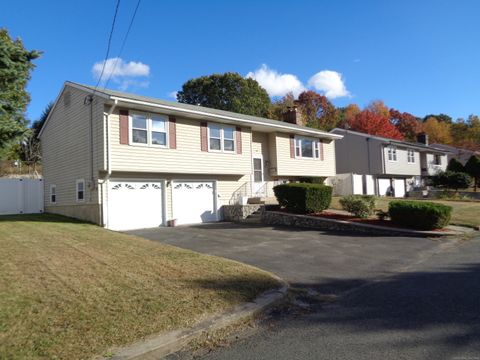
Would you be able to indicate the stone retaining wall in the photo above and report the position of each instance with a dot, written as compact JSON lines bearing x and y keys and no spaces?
{"x":237,"y":213}
{"x":314,"y":222}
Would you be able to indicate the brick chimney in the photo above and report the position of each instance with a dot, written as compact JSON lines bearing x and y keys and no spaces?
{"x":293,"y":116}
{"x":422,"y":138}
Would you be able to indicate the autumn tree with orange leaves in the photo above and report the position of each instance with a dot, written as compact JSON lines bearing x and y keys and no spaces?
{"x":373,"y":123}
{"x":406,"y":123}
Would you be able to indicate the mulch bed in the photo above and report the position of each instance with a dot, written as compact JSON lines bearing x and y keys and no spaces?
{"x":370,"y":221}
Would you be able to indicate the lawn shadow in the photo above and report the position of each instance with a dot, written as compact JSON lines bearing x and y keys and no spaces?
{"x":44,"y":217}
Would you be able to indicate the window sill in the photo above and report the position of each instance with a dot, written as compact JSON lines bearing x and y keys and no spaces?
{"x":149,"y":146}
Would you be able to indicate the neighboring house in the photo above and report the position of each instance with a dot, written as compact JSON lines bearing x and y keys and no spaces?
{"x":380,"y":166}
{"x":461,"y":155}
{"x":126,"y":161}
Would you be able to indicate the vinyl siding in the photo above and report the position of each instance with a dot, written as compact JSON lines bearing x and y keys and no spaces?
{"x":355,"y":154}
{"x":431,"y":168}
{"x":66,"y":154}
{"x":401,"y":166}
{"x":287,"y":166}
{"x":187,"y":158}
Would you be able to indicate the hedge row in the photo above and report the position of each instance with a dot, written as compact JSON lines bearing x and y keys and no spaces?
{"x":421,"y":215}
{"x":303,"y":198}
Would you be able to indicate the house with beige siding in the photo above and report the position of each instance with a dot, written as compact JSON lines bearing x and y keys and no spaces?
{"x":375,"y":165}
{"x":125,"y":161}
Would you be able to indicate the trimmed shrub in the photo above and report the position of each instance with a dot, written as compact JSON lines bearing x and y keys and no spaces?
{"x":451,"y":180}
{"x":358,"y":205}
{"x":302,"y":198}
{"x":421,"y":215}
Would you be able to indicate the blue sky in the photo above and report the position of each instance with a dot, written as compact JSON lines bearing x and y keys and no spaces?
{"x":418,"y":56}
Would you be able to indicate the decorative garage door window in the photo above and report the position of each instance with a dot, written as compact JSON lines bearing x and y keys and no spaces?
{"x":138,"y":186}
{"x":192,"y":186}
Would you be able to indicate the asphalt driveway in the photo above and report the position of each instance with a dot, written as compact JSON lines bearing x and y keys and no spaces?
{"x":400,"y":298}
{"x":328,"y":262}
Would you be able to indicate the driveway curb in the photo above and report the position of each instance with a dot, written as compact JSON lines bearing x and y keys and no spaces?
{"x":165,"y":344}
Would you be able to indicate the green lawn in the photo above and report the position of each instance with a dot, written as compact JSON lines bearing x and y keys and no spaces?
{"x":70,"y":290}
{"x":465,"y":213}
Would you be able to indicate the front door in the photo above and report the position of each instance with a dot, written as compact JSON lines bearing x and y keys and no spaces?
{"x":258,"y":187}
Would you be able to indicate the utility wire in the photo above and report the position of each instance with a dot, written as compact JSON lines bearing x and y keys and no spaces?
{"x":123,"y":43}
{"x":108,"y":45}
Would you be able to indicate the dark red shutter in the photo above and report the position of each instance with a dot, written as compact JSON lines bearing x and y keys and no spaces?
{"x":172,"y":132}
{"x":321,"y":149}
{"x":124,"y":127}
{"x":239,"y":139}
{"x":292,"y":146}
{"x":203,"y":136}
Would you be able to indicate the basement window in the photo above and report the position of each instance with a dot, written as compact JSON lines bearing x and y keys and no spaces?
{"x":53,"y":194}
{"x":80,"y":185}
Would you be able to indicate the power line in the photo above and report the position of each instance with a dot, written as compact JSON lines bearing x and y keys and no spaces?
{"x":108,"y":45}
{"x":123,"y":42}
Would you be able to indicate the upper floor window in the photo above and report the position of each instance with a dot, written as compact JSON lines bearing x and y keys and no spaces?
{"x":80,"y":187}
{"x":437,"y":159}
{"x":307,"y":148}
{"x":221,"y":138}
{"x":410,"y":156}
{"x":392,"y":153}
{"x":148,"y":129}
{"x":53,"y":194}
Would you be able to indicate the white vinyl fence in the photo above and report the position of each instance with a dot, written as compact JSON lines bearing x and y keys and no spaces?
{"x":21,"y":196}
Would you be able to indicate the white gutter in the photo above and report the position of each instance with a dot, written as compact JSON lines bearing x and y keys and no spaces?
{"x":253,"y":122}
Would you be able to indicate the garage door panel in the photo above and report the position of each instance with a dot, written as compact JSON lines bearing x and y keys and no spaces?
{"x":399,"y":187}
{"x":194,"y":202}
{"x":135,"y":204}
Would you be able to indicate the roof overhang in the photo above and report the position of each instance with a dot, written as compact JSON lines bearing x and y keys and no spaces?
{"x":419,"y":148}
{"x":199,"y":114}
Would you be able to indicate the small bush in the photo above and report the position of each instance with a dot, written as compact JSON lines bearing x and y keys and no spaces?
{"x":358,"y":205}
{"x":302,"y":198}
{"x":421,"y":215}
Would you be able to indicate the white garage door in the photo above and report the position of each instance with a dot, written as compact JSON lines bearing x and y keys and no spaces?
{"x":399,"y":186}
{"x":134,"y":204}
{"x":383,"y":186}
{"x":194,"y":202}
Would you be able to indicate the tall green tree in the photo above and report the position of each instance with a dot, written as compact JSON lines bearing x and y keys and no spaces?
{"x":29,"y":149}
{"x":455,"y":166}
{"x":15,"y":68}
{"x":472,"y":167}
{"x":229,"y":91}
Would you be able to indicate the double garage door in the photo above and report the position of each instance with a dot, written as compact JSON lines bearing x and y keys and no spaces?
{"x":134,"y":204}
{"x":385,"y":187}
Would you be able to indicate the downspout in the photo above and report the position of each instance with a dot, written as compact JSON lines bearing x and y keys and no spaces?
{"x":109,"y":158}
{"x":107,"y":150}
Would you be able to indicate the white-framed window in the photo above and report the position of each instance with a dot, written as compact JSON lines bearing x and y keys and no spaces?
{"x":148,"y":129}
{"x":411,"y":156}
{"x":307,"y":148}
{"x":221,"y":138}
{"x":80,"y":190}
{"x":53,"y":194}
{"x":392,"y":153}
{"x":437,"y":160}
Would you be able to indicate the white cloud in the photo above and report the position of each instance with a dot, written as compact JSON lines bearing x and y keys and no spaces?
{"x":330,"y":83}
{"x":275,"y":83}
{"x":173,"y":94}
{"x":122,"y":73}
